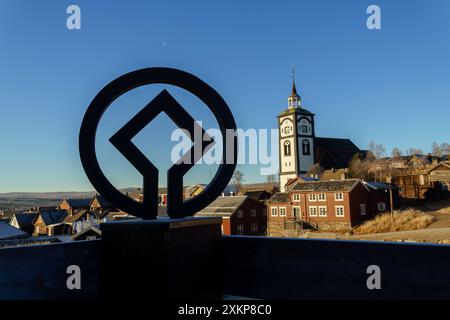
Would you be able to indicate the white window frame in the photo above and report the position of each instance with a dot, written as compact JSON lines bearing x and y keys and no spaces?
{"x":296,"y":197}
{"x":254,"y":227}
{"x":240,"y":229}
{"x":320,"y":208}
{"x":338,"y":214}
{"x":315,"y":210}
{"x":362,"y":209}
{"x":280,"y":209}
{"x":253,"y":213}
{"x":381,"y":206}
{"x":336,"y":198}
{"x":274,"y":211}
{"x":324,"y":197}
{"x":312,"y":197}
{"x":240,"y":213}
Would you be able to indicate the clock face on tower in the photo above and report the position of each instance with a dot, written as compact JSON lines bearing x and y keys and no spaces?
{"x":286,"y":127}
{"x":304,"y":126}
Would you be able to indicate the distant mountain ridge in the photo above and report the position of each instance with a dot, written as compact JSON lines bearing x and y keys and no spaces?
{"x":56,"y":195}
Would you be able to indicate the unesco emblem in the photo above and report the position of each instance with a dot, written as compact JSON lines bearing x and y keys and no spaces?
{"x":122,"y":141}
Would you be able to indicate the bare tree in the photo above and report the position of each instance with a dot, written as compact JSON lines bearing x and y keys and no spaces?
{"x":376,"y":149}
{"x":271,"y":185}
{"x":439,"y":150}
{"x":445,"y":148}
{"x":237,"y":180}
{"x":270,"y":182}
{"x":436,"y":150}
{"x":411,"y":151}
{"x":359,"y":167}
{"x":316,"y":170}
{"x":396,"y":153}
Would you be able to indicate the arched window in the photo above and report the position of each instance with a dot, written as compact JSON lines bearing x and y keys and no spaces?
{"x":287,"y":148}
{"x":306,"y":147}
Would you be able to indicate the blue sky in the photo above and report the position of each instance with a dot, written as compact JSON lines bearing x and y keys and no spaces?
{"x":390,"y":85}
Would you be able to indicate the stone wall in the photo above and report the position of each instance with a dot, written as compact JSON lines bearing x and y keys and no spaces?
{"x":288,"y":229}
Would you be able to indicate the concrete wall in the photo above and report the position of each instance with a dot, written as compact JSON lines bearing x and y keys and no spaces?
{"x":275,"y":268}
{"x":39,"y":272}
{"x":257,"y":267}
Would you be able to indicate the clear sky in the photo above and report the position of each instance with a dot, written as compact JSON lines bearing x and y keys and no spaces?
{"x":390,"y":85}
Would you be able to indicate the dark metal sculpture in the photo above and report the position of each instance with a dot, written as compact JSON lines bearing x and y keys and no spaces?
{"x":164,"y":102}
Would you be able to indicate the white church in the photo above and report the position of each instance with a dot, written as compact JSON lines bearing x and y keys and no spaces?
{"x":300,"y":148}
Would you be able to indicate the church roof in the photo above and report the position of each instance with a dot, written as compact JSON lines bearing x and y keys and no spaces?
{"x":327,"y":186}
{"x":296,"y":111}
{"x":334,"y":153}
{"x":279,"y":197}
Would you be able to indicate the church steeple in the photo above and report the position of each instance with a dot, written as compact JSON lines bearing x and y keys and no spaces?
{"x":294,"y":100}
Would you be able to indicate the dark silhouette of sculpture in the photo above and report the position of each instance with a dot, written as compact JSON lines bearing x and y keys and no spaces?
{"x":163,"y":102}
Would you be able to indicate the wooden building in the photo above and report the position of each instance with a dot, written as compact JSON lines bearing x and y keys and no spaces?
{"x":90,"y":233}
{"x":431,"y":182}
{"x":74,"y":204}
{"x":241,"y":215}
{"x":24,"y":221}
{"x":46,"y":218}
{"x":261,"y":195}
{"x":100,"y":204}
{"x":340,"y":204}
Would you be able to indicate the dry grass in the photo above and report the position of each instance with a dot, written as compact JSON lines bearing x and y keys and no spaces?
{"x":404,"y":220}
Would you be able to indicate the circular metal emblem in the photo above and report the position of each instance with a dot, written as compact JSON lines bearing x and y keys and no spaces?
{"x":163,"y":102}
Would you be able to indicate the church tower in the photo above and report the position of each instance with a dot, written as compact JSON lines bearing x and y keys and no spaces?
{"x":296,"y":138}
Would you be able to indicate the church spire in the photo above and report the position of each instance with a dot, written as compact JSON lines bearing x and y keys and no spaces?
{"x":294,"y":100}
{"x":294,"y":89}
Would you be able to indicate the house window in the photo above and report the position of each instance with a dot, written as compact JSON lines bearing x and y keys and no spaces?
{"x":322,"y":211}
{"x":240,"y":229}
{"x":322,"y":197}
{"x":282,"y":211}
{"x":287,"y":148}
{"x":362,"y":209}
{"x":304,"y":129}
{"x":265,"y":212}
{"x":253,"y":213}
{"x":254,"y":227}
{"x":339,"y":211}
{"x":381,"y":206}
{"x":274,"y":211}
{"x":296,"y":197}
{"x":312,"y":197}
{"x":313,"y":211}
{"x":240,"y":214}
{"x":338,"y":196}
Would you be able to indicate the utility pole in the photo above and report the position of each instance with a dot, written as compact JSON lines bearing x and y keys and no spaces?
{"x":392,"y":204}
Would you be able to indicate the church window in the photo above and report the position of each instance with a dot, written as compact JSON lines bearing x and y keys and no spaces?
{"x":287,"y":148}
{"x":306,"y":147}
{"x":304,"y":129}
